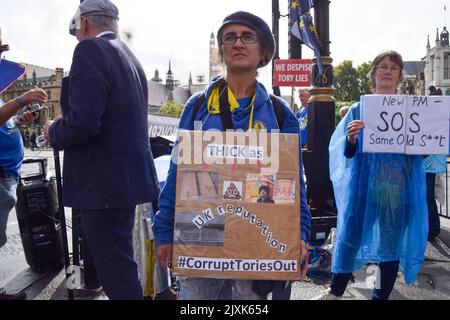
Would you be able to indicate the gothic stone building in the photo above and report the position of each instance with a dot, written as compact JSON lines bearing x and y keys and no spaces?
{"x":437,"y":63}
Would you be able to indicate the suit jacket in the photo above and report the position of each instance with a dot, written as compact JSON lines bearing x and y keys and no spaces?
{"x":104,"y":130}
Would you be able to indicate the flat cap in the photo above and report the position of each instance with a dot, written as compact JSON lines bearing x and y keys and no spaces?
{"x":93,"y":8}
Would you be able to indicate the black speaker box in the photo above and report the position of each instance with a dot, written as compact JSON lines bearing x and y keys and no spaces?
{"x":37,"y":213}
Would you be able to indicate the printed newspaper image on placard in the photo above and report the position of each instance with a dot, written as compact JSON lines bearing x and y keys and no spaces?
{"x":259,"y":188}
{"x":198,"y":185}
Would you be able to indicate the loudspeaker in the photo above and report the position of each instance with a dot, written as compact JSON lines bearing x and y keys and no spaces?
{"x":37,"y":212}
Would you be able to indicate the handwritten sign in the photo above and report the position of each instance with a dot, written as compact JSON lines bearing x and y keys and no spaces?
{"x":292,"y":73}
{"x":406,"y":124}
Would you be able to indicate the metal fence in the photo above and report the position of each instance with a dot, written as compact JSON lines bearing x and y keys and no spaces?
{"x":443,"y":208}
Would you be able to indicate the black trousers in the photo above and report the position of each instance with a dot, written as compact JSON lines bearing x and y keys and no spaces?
{"x":110,"y":238}
{"x":434,"y":222}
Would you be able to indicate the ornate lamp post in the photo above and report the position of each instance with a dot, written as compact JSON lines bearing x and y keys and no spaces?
{"x":275,"y":30}
{"x":321,"y":120}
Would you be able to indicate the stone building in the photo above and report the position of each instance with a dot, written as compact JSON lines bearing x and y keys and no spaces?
{"x":437,"y":63}
{"x":160,"y":92}
{"x":216,"y":66}
{"x":432,"y":70}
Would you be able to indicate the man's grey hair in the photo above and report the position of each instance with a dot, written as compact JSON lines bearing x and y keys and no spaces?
{"x":103,"y":22}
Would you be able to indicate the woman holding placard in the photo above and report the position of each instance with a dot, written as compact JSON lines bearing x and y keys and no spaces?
{"x":235,"y":102}
{"x":381,"y":200}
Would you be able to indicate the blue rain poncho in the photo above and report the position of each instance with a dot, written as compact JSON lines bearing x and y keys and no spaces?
{"x":381,"y":201}
{"x":436,"y":163}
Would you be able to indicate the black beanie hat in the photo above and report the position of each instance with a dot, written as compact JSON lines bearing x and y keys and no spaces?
{"x":263,"y":31}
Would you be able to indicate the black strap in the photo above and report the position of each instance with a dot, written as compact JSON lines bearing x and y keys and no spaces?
{"x":278,"y":108}
{"x":225,"y":113}
{"x":198,"y":103}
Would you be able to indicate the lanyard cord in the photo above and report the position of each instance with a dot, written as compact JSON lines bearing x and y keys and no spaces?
{"x":221,"y":91}
{"x":225,"y":107}
{"x":250,"y":124}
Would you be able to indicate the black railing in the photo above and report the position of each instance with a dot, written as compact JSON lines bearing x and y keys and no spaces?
{"x":443,"y":208}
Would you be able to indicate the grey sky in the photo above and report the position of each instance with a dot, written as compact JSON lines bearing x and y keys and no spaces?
{"x":37,"y":30}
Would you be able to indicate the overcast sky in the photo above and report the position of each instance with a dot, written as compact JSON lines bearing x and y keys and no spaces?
{"x":37,"y":30}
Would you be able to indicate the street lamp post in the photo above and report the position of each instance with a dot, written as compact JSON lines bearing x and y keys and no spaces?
{"x":276,"y":35}
{"x":321,"y":120}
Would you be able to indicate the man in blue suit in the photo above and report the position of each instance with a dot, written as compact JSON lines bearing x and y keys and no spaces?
{"x":108,"y":165}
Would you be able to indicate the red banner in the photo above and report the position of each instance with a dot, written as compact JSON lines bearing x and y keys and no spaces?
{"x":292,"y":73}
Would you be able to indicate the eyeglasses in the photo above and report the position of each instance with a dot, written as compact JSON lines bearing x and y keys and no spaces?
{"x":384,"y":67}
{"x":246,"y":38}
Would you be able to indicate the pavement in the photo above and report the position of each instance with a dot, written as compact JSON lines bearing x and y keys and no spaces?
{"x":433,"y":282}
{"x":15,"y":273}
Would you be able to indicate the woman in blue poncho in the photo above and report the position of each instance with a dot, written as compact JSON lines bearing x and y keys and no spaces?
{"x":381,"y":199}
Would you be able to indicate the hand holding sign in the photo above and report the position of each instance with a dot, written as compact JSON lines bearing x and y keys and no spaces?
{"x":353,"y":130}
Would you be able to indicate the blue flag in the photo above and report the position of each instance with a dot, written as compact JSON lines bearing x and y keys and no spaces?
{"x":294,"y":14}
{"x":305,"y":30}
{"x":297,"y":8}
{"x":301,"y":6}
{"x":9,"y":73}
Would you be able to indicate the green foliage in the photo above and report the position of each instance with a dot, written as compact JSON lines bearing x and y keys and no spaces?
{"x":362,"y":72}
{"x":171,"y":109}
{"x":339,"y":105}
{"x":350,"y":82}
{"x":346,"y":82}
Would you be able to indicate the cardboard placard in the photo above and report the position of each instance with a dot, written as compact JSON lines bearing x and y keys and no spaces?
{"x":406,"y":124}
{"x":237,"y":213}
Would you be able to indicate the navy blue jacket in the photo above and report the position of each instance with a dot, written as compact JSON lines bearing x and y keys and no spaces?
{"x":264,"y":115}
{"x":104,"y":130}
